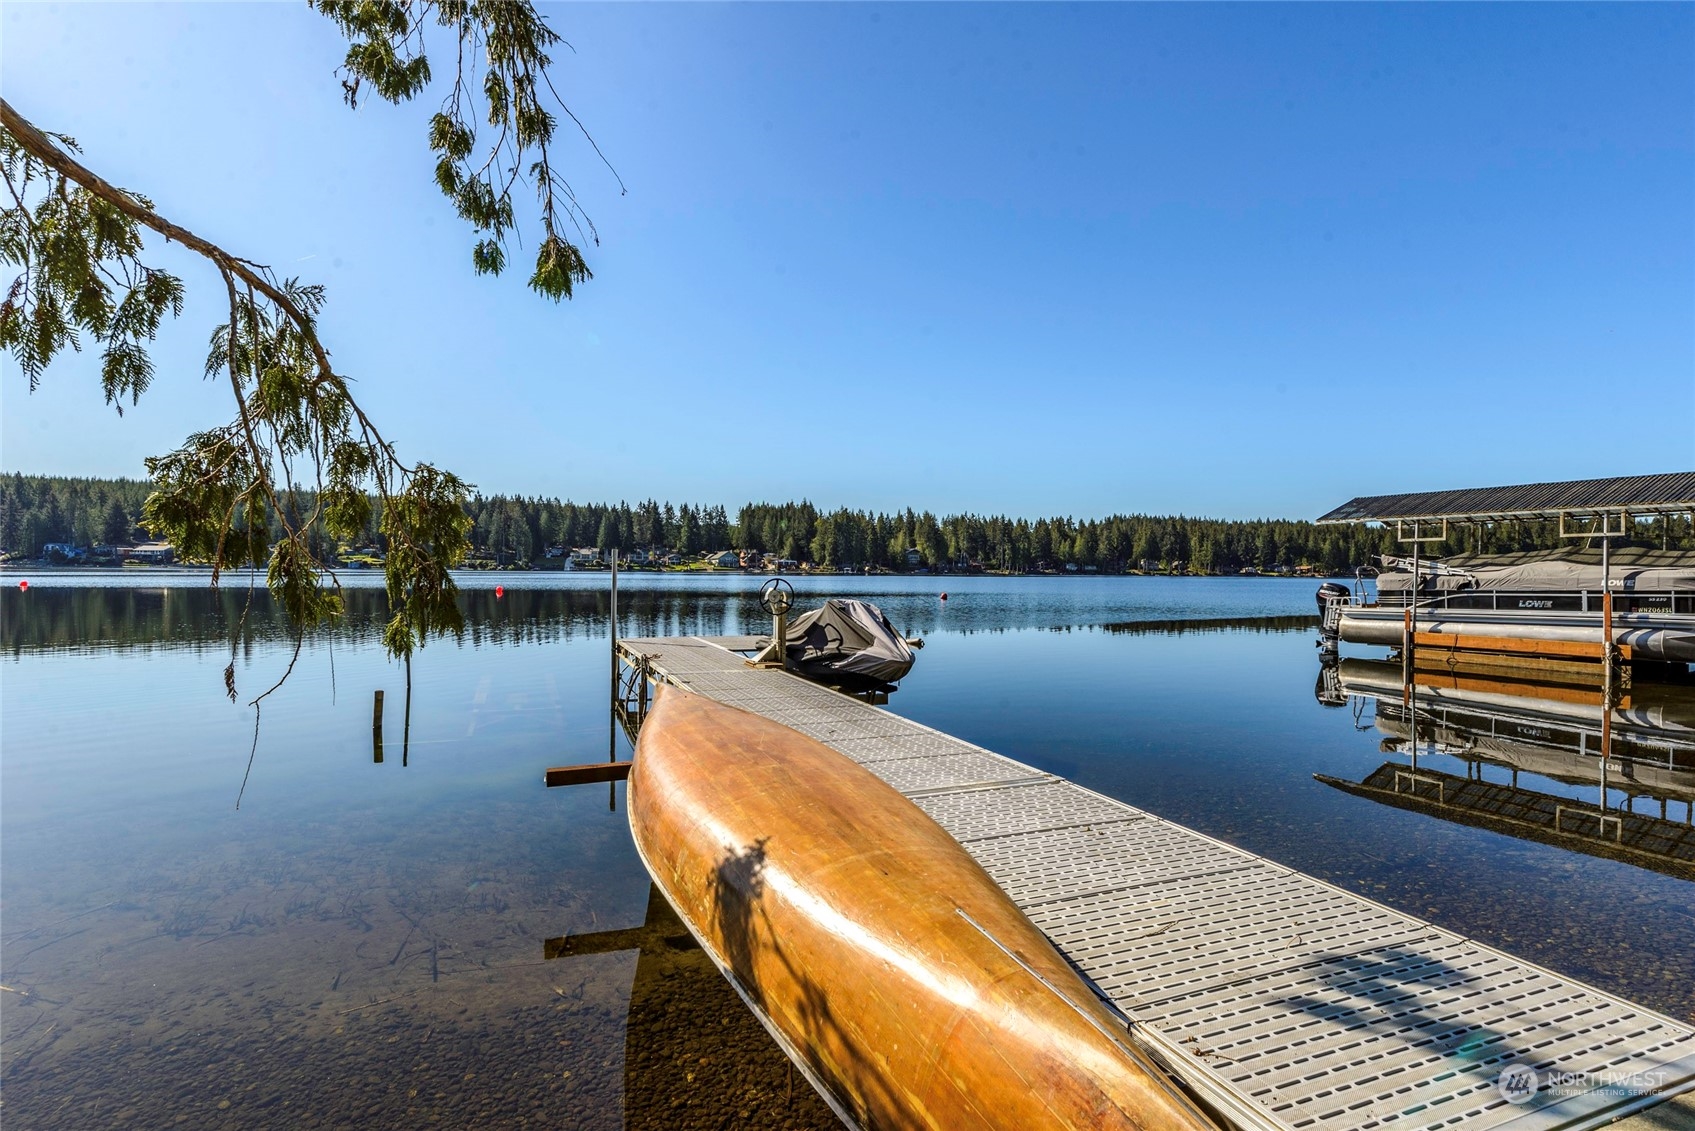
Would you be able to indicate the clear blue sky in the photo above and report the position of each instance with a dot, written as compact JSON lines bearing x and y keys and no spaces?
{"x":1214,"y":259}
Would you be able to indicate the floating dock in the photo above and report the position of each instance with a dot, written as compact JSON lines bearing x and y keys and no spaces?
{"x":1284,"y":1002}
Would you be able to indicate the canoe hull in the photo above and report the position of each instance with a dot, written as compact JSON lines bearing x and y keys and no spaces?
{"x":891,"y":968}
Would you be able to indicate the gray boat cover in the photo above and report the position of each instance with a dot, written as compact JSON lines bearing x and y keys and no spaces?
{"x":1633,"y":570}
{"x":847,"y":638}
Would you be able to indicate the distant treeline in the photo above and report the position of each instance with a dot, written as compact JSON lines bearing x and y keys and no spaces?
{"x":36,"y":511}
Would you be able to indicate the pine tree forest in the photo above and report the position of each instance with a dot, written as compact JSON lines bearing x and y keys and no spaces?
{"x":42,"y":516}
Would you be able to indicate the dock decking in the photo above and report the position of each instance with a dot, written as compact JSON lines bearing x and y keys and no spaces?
{"x":1286,"y":1002}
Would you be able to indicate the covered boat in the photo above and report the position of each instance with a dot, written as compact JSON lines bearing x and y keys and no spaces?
{"x":847,"y":641}
{"x":1548,"y":595}
{"x":1640,"y":579}
{"x":898,"y":977}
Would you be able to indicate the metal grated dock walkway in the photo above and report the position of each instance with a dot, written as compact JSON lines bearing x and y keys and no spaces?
{"x":1285,"y":1001}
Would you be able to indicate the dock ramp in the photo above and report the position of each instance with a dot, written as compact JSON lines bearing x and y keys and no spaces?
{"x":1287,"y":1003}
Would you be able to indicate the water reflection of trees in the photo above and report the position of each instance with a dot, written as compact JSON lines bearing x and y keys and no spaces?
{"x":1213,"y":624}
{"x":196,"y":618}
{"x":79,"y":619}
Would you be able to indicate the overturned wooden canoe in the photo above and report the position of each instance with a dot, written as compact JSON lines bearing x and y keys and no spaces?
{"x":893,"y":971}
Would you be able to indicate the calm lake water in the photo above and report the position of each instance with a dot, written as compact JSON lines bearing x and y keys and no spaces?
{"x":364,"y":943}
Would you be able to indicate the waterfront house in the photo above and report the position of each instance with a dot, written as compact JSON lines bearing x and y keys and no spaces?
{"x":151,"y":553}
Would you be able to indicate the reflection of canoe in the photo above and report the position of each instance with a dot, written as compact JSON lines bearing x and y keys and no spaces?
{"x":691,"y":1051}
{"x":897,"y":976}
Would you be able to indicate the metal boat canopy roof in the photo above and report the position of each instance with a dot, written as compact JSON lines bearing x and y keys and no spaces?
{"x":1639,"y":496}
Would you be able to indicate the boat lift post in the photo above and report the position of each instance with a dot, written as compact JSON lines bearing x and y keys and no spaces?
{"x":1606,"y":663}
{"x":612,"y":723}
{"x":612,"y":630}
{"x":1609,"y":680}
{"x":1409,"y":629}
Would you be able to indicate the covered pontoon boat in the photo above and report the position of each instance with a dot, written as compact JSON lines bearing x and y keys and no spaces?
{"x":1543,"y":595}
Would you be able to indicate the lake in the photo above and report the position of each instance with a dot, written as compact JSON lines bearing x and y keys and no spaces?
{"x":366,"y":942}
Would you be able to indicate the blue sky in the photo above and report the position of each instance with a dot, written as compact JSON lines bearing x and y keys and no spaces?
{"x":1035,"y":259}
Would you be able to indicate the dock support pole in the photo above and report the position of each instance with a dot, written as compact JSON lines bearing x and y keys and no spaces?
{"x":612,"y":718}
{"x":1409,"y":628}
{"x":406,"y":719}
{"x":1412,"y":621}
{"x":377,"y":727}
{"x":1607,"y":680}
{"x":613,"y":629}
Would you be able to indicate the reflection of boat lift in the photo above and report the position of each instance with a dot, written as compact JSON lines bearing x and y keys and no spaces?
{"x":1656,"y":843}
{"x":1552,"y":731}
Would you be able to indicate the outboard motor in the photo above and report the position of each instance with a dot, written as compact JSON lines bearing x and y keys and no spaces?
{"x":1332,"y":595}
{"x":1328,"y":690}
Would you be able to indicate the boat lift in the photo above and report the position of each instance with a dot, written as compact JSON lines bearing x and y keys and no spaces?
{"x":1586,"y":509}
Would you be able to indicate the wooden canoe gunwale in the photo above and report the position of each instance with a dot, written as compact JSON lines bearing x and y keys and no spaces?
{"x":888,"y":966}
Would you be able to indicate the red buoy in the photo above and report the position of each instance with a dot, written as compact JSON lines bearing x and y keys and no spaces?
{"x":944,"y":596}
{"x":23,"y":585}
{"x":499,"y":592}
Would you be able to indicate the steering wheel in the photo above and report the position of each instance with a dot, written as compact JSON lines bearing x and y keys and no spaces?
{"x":776,"y":596}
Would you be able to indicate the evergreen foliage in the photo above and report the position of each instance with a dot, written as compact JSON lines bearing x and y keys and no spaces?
{"x":232,"y":495}
{"x":512,"y":530}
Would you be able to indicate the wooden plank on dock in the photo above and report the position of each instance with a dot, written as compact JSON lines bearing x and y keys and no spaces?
{"x":1287,"y":1002}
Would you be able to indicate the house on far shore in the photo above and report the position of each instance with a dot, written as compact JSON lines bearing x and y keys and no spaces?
{"x":63,"y":551}
{"x":914,"y":558}
{"x":724,"y":559}
{"x":151,"y":553}
{"x":635,"y":557}
{"x":585,"y":557}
